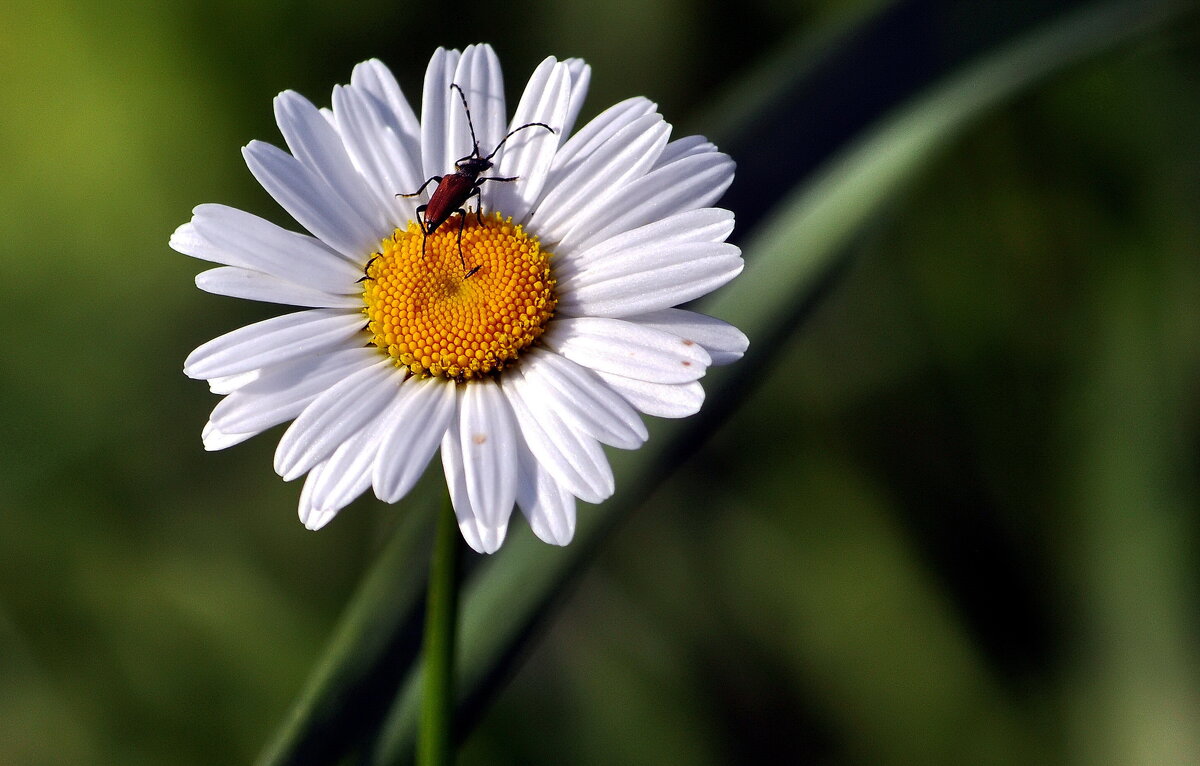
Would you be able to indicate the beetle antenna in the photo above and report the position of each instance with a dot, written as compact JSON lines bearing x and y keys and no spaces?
{"x":514,"y":131}
{"x":463,"y":97}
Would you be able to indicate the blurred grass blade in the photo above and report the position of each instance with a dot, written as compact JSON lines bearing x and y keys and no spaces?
{"x":1132,"y":490}
{"x":807,"y":101}
{"x":371,"y":652}
{"x":796,"y":244}
{"x":511,"y":595}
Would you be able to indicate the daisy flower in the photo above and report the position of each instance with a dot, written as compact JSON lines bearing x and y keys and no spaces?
{"x":517,"y":338}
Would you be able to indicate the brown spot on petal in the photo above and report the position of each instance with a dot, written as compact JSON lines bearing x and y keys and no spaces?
{"x":687,"y":364}
{"x":688,"y":342}
{"x":479,"y":438}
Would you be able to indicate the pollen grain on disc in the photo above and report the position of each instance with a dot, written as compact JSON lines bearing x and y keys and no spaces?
{"x":436,"y":317}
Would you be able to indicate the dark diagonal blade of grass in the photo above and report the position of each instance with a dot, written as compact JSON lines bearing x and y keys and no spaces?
{"x":367,"y":658}
{"x":511,"y":596}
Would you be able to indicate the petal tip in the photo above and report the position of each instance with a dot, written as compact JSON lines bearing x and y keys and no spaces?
{"x":315,"y":519}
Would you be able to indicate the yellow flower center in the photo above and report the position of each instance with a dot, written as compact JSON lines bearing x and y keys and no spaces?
{"x":437,"y":317}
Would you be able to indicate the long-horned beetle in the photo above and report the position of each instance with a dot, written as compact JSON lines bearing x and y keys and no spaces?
{"x":455,"y":189}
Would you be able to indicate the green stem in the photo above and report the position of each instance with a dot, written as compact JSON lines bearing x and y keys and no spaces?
{"x":435,"y":745}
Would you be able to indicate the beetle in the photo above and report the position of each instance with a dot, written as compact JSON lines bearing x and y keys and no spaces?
{"x":453,"y":190}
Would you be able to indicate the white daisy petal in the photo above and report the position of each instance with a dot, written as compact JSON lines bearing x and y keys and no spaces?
{"x":692,"y":182}
{"x":215,"y":439}
{"x":315,"y":141}
{"x":282,"y":392}
{"x":478,"y":74}
{"x":575,"y":459}
{"x":273,"y":341}
{"x":377,"y":151}
{"x":375,"y":80}
{"x":528,"y":154}
{"x":227,"y":384}
{"x":549,"y":507}
{"x":316,"y":520}
{"x":581,"y":77}
{"x":185,"y":239}
{"x":481,"y":535}
{"x":231,"y":237}
{"x":311,"y":201}
{"x":594,"y":135}
{"x":310,"y":517}
{"x":704,"y":225}
{"x":334,"y":416}
{"x":684,"y":147}
{"x":582,"y":399}
{"x":488,"y":441}
{"x":628,"y":349}
{"x":454,"y":467}
{"x":412,"y":435}
{"x":346,"y":474}
{"x":257,"y":286}
{"x":436,"y":102}
{"x":662,"y":400}
{"x":624,"y":286}
{"x":598,"y":177}
{"x":723,"y":342}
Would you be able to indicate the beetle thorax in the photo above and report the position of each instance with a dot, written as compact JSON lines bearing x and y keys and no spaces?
{"x":473,"y":166}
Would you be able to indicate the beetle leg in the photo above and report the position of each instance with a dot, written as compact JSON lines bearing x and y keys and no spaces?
{"x":428,"y":181}
{"x":478,"y":203}
{"x":367,"y":268}
{"x":475,"y":191}
{"x":421,"y":221}
{"x":421,"y":216}
{"x":462,"y":222}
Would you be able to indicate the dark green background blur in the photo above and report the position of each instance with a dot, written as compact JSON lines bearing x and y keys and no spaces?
{"x":954,"y":521}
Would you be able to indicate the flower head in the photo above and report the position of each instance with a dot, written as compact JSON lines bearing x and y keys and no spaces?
{"x":516,"y":318}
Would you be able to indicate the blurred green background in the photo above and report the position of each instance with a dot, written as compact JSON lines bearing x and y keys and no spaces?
{"x":952,"y":517}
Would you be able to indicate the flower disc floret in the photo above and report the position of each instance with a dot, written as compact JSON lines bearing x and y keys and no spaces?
{"x":459,"y":317}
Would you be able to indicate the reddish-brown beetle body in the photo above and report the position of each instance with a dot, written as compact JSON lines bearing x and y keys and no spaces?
{"x":452,"y":193}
